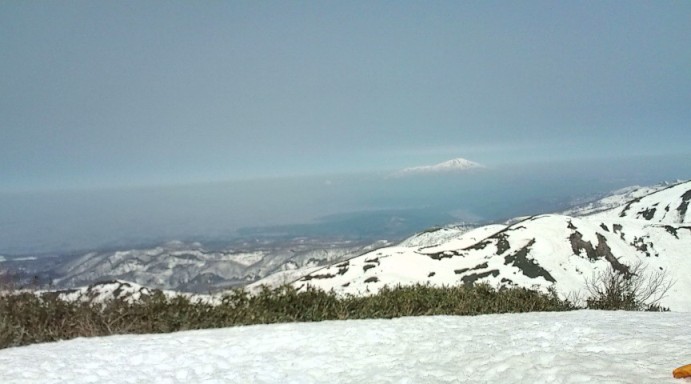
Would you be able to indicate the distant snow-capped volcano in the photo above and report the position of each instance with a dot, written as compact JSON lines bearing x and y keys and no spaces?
{"x":454,"y":165}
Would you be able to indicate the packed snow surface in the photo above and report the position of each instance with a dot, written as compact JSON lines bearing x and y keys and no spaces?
{"x":567,"y":347}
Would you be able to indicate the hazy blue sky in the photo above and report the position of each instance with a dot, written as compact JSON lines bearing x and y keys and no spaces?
{"x":97,"y":93}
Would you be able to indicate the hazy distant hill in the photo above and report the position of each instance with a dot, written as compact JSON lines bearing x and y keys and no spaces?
{"x":191,"y":267}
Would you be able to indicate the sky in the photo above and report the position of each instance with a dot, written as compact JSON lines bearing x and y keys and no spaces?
{"x":134,"y":93}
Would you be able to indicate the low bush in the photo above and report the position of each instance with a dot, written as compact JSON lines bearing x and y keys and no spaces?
{"x":26,"y":318}
{"x":632,"y":289}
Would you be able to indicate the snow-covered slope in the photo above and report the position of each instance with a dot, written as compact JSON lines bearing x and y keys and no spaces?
{"x":566,"y":347}
{"x":454,"y":165}
{"x":669,"y":205}
{"x":540,"y":251}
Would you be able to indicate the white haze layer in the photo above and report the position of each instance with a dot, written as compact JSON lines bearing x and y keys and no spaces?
{"x":61,"y":221}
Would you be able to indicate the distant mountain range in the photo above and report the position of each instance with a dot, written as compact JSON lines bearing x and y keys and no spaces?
{"x":454,"y":165}
{"x":652,"y":225}
{"x":192,"y":268}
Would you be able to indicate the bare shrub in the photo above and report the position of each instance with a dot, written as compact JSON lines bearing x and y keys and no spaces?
{"x":634,"y":289}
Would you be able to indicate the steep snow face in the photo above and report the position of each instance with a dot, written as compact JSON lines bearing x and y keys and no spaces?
{"x":565,"y":347}
{"x":453,"y":165}
{"x":536,"y":252}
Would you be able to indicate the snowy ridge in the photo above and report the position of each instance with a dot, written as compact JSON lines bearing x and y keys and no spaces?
{"x":537,"y":252}
{"x":562,"y":347}
{"x":454,"y":165}
{"x":435,"y":236}
{"x":119,"y":290}
{"x":612,"y":200}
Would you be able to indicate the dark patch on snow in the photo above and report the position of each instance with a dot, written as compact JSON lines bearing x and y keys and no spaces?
{"x":480,"y":245}
{"x":367,"y":266}
{"x":314,"y":261}
{"x":430,"y":230}
{"x":602,"y":250}
{"x":603,"y":226}
{"x":343,"y":268}
{"x":318,"y":277}
{"x":441,"y":255}
{"x":345,"y":285}
{"x":578,"y":245}
{"x":640,"y":245}
{"x":571,"y":226}
{"x":671,"y":230}
{"x":372,"y":279}
{"x":481,"y":266}
{"x":475,"y":268}
{"x":507,"y":281}
{"x":375,"y":260}
{"x":528,"y":267}
{"x":675,"y":230}
{"x":188,"y":256}
{"x":683,"y":207}
{"x":648,"y":213}
{"x":471,"y":279}
{"x":628,"y":206}
{"x":502,"y":244}
{"x":431,"y":274}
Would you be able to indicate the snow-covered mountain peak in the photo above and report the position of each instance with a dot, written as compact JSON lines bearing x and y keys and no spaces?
{"x":454,"y":165}
{"x":552,"y":250}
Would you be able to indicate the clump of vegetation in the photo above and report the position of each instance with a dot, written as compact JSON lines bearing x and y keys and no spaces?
{"x":632,"y":289}
{"x":27,"y":317}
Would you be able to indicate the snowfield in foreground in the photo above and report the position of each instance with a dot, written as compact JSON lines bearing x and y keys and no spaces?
{"x":566,"y":347}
